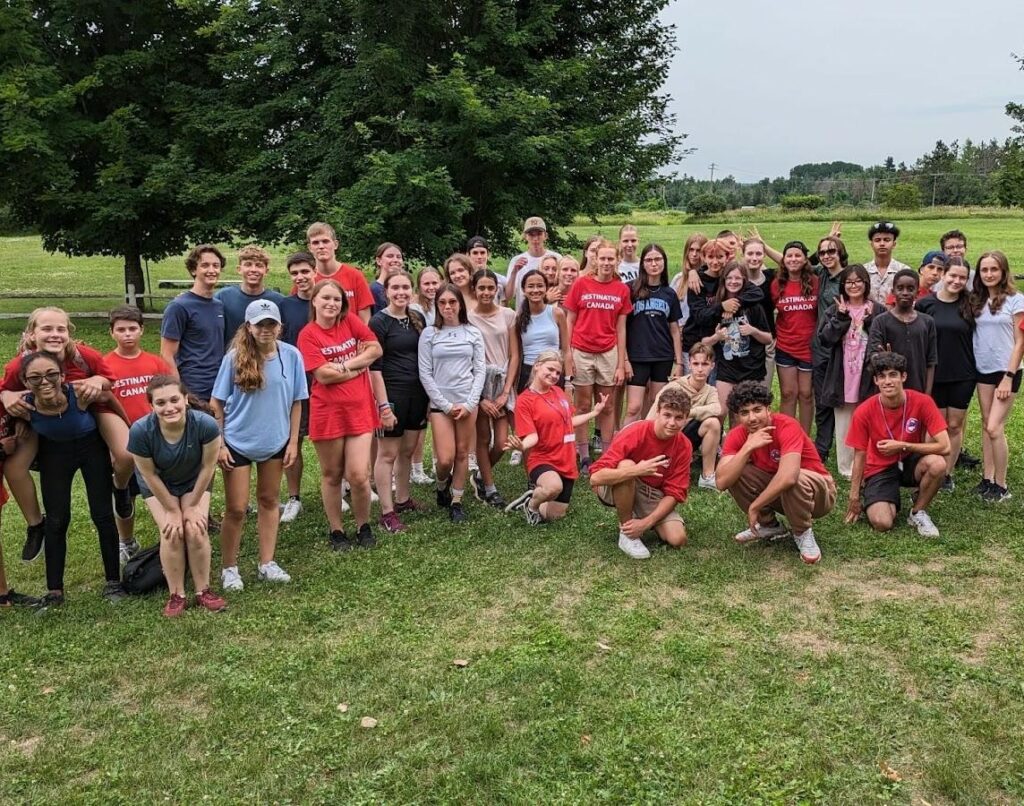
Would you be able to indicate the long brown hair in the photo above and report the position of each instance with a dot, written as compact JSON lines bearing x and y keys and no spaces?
{"x":344,"y":297}
{"x":698,"y":238}
{"x":414,"y":317}
{"x":248,"y":360}
{"x":980,"y":294}
{"x":721,"y":294}
{"x":806,"y":272}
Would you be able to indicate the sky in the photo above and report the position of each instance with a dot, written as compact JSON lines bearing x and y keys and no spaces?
{"x":760,"y":86}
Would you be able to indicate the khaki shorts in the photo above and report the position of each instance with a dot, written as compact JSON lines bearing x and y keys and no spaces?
{"x":595,"y":368}
{"x":644,"y":502}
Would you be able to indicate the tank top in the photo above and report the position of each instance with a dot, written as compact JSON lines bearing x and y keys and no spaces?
{"x":541,"y":335}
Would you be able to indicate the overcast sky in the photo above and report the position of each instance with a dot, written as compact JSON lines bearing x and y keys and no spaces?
{"x":761,"y":86}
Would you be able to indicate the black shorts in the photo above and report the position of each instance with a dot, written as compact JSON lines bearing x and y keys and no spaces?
{"x":884,"y":487}
{"x":303,"y":418}
{"x":410,"y":407}
{"x":241,"y":460}
{"x":567,"y":484}
{"x":995,"y":378}
{"x":645,"y":372}
{"x":692,"y":432}
{"x":953,"y":394}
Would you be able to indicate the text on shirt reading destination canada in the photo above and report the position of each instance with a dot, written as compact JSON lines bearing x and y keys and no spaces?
{"x":604,"y":302}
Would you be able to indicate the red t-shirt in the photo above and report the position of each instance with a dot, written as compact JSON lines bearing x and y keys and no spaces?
{"x":637,"y":442}
{"x":338,"y":409}
{"x":872,"y":422}
{"x":6,"y":430}
{"x":796,"y":317}
{"x":549,"y":416}
{"x":91,"y":363}
{"x":356,"y":288}
{"x":598,"y":307}
{"x":130,"y":378}
{"x":787,"y":437}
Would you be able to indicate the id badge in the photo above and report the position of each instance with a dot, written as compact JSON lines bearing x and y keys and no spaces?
{"x":899,"y":466}
{"x":570,"y":437}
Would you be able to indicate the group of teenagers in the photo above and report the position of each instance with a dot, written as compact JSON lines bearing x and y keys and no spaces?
{"x":516,"y":362}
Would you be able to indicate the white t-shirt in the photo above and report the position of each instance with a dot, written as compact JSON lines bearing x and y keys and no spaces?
{"x":993,"y":335}
{"x":628,"y":272}
{"x":531,"y":263}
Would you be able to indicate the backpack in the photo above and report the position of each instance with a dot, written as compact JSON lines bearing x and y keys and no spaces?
{"x":143,"y":572}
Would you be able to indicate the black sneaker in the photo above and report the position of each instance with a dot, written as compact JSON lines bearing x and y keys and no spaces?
{"x":948,"y":485}
{"x":124,"y":503}
{"x":981,"y":487}
{"x":495,"y":500}
{"x":585,"y":467}
{"x":339,"y":541}
{"x":595,"y":444}
{"x":51,"y":599}
{"x":34,"y":537}
{"x":476,"y":481}
{"x":212,"y":525}
{"x":456,"y":514}
{"x":365,"y":537}
{"x":444,"y":495}
{"x":996,"y":493}
{"x":966,"y":461}
{"x":12,"y":597}
{"x":114,"y":592}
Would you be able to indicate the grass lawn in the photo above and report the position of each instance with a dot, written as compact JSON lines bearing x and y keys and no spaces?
{"x":889,"y":672}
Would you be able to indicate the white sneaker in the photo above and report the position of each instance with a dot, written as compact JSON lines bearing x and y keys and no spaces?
{"x":230,"y":579}
{"x":515,"y":458}
{"x":290,"y":510}
{"x":272,"y":572}
{"x":419,"y":477}
{"x":762,"y":533}
{"x":707,"y":482}
{"x":809,"y":551}
{"x":472,"y":463}
{"x":374,"y":498}
{"x":924,"y":525}
{"x":634,"y":548}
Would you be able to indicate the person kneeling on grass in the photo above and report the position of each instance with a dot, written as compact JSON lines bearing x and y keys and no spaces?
{"x":546,"y":423}
{"x":769,"y":465}
{"x":888,"y":434}
{"x":645,"y":473}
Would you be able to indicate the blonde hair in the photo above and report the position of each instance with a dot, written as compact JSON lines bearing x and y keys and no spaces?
{"x":545,"y":357}
{"x":28,"y":339}
{"x":318,"y":227}
{"x":254,"y":253}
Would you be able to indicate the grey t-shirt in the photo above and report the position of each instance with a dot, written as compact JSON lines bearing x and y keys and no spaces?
{"x":178,"y":464}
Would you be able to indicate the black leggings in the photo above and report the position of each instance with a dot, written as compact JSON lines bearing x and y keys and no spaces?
{"x":58,"y":463}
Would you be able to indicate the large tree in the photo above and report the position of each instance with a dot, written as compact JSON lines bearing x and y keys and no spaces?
{"x":91,"y":93}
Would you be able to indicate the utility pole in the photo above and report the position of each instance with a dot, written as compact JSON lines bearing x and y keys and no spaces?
{"x":712,"y":166}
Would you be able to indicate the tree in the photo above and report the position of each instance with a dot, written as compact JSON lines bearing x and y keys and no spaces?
{"x":431,"y":120}
{"x":902,"y":196}
{"x":90,"y":124}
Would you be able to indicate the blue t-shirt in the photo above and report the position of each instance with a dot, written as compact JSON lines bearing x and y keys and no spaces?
{"x":235,"y":302}
{"x":67,"y":425}
{"x":197,"y":324}
{"x":257,"y":424}
{"x":295,"y":315}
{"x":177,"y":464}
{"x":380,"y":296}
{"x":648,"y":337}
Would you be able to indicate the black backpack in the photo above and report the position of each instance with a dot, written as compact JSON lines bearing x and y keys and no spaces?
{"x":143,"y":572}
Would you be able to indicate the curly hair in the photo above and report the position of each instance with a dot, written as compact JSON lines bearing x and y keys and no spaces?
{"x":747,"y":392}
{"x":882,"y":362}
{"x":674,"y":399}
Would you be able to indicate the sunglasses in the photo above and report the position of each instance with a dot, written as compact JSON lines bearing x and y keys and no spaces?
{"x":830,"y":251}
{"x":52,"y":377}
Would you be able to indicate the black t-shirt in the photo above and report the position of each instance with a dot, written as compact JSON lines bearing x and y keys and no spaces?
{"x":648,"y":337}
{"x":399,"y":339}
{"x":915,"y":341}
{"x":955,"y":338}
{"x":741,"y":358}
{"x":767,"y":304}
{"x":295,"y":313}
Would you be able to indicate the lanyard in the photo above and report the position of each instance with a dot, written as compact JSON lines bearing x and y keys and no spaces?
{"x":885,"y":422}
{"x":557,"y":410}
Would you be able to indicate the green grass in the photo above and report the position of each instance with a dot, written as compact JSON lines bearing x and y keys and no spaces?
{"x":710,"y":674}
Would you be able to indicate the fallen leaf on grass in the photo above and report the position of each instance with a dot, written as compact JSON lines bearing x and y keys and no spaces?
{"x":49,"y":690}
{"x":367,"y":722}
{"x":462,"y":663}
{"x":585,"y":739}
{"x":889,"y":772}
{"x":604,"y":646}
{"x":343,"y":707}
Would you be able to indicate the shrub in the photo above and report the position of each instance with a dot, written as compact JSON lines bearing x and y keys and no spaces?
{"x":802,"y":201}
{"x":706,"y":204}
{"x":903,"y":196}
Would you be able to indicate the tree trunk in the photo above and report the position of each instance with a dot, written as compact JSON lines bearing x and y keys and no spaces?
{"x":133,"y":272}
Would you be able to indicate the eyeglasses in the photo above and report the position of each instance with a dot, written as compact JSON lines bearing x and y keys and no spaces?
{"x":832,"y":251}
{"x":854,"y":281}
{"x":52,"y":377}
{"x":652,"y":259}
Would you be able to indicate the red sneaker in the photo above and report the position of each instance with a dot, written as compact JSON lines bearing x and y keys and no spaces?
{"x":211,"y":601}
{"x":175,"y":606}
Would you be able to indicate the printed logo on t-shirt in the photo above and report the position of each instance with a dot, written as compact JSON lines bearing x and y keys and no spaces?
{"x":775,"y":454}
{"x":912,"y":425}
{"x":600,"y":302}
{"x":131,"y":386}
{"x":335,"y":352}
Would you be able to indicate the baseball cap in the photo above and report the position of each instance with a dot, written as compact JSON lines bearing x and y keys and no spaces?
{"x":935,"y":256}
{"x":477,"y":241}
{"x":886,"y":227}
{"x":534,"y":222}
{"x":262,"y":309}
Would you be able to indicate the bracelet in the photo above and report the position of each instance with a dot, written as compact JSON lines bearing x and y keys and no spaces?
{"x":382,"y":406}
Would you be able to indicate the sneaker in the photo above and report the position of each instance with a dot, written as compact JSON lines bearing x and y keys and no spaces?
{"x":250,"y":511}
{"x":515,"y":458}
{"x":290,"y":510}
{"x":809,"y":551}
{"x":981,"y":487}
{"x":12,"y":598}
{"x":476,"y":481}
{"x":175,"y":606}
{"x":495,"y":500}
{"x":409,"y":505}
{"x":212,"y":524}
{"x":584,"y":467}
{"x":456,"y":513}
{"x":533,"y":518}
{"x":519,"y":502}
{"x":344,"y":506}
{"x":920,"y":521}
{"x":595,"y":443}
{"x":230,"y":579}
{"x":51,"y":599}
{"x":34,"y":536}
{"x":272,"y":572}
{"x":211,"y":601}
{"x":419,"y":477}
{"x":634,"y":548}
{"x":374,"y":498}
{"x":948,"y":485}
{"x":114,"y":592}
{"x":996,"y":493}
{"x":444,"y":495}
{"x":128,"y":550}
{"x":392,"y":523}
{"x":472,"y":463}
{"x":339,"y":541}
{"x":365,"y":537}
{"x":124,"y":503}
{"x":707,"y":482}
{"x":763,"y":533}
{"x":965,"y":460}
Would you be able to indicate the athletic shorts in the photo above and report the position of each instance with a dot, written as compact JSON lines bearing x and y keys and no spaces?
{"x":241,"y":460}
{"x":692,"y":432}
{"x":594,"y":368}
{"x":304,"y":418}
{"x":567,"y":484}
{"x":953,"y":394}
{"x":995,"y":378}
{"x":884,"y":487}
{"x":644,"y":502}
{"x":785,"y":360}
{"x":645,"y":372}
{"x":410,"y":407}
